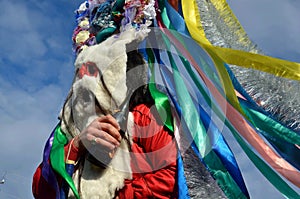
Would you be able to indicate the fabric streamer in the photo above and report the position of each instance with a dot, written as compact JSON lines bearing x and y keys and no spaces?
{"x":57,"y":158}
{"x":47,"y":171}
{"x":272,"y":92}
{"x":200,"y":65}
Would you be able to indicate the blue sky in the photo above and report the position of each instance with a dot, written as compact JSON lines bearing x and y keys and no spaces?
{"x":36,"y":64}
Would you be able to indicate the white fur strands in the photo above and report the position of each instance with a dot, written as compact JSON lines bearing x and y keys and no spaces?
{"x":110,"y":58}
{"x":97,"y":183}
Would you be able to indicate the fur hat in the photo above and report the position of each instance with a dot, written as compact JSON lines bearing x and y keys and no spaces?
{"x":100,"y":78}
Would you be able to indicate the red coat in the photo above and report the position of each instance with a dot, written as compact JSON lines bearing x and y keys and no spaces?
{"x":153,"y":161}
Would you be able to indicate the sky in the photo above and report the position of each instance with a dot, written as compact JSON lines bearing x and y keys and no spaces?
{"x":36,"y":70}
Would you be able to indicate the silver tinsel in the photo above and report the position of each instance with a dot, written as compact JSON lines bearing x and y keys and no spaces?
{"x":278,"y":96}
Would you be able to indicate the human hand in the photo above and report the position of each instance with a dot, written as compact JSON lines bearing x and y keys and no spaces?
{"x":103,"y":133}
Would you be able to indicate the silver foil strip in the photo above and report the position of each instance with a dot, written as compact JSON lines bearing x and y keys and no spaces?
{"x":278,"y":96}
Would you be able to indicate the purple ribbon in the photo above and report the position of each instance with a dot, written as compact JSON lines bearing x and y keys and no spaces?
{"x":47,"y":171}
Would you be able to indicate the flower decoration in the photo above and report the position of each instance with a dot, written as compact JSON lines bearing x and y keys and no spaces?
{"x":99,"y":19}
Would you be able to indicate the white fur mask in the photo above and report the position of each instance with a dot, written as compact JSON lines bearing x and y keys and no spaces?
{"x":107,"y":85}
{"x":101,"y":79}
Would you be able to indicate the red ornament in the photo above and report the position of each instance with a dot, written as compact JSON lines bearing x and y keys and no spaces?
{"x":89,"y":69}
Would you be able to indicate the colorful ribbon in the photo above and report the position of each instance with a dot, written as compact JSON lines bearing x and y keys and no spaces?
{"x":267,"y":64}
{"x":57,"y":158}
{"x":254,"y":139}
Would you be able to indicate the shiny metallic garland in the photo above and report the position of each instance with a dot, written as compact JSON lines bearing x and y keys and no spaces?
{"x":278,"y":96}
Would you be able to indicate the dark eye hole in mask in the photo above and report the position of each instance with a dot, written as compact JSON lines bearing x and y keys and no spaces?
{"x":87,"y":96}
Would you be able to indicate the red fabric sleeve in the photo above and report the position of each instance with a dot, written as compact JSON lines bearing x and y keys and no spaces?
{"x":153,"y":159}
{"x":40,"y":188}
{"x":74,"y":153}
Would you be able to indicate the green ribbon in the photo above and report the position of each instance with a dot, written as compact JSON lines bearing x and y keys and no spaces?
{"x":271,"y":127}
{"x":200,"y":137}
{"x":194,"y":124}
{"x":57,"y":158}
{"x":277,"y":134}
{"x":269,"y":173}
{"x":211,"y":161}
{"x":160,"y":99}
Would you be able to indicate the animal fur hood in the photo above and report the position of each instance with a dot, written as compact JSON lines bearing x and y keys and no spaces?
{"x":100,"y":78}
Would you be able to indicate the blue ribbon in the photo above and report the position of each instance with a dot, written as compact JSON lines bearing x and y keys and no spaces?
{"x":47,"y":171}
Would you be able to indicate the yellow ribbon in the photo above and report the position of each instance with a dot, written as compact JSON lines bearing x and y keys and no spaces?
{"x":192,"y":18}
{"x":278,"y":67}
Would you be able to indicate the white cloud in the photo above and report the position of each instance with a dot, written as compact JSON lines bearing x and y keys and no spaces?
{"x":26,"y":121}
{"x":36,"y":65}
{"x":18,"y":103}
{"x":36,"y":43}
{"x":21,"y":146}
{"x":21,"y":40}
{"x":272,"y":24}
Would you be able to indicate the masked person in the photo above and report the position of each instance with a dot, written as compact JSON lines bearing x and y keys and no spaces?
{"x":107,"y":161}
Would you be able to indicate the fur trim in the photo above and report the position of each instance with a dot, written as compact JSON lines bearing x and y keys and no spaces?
{"x":110,"y":58}
{"x":79,"y":110}
{"x":98,"y":183}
